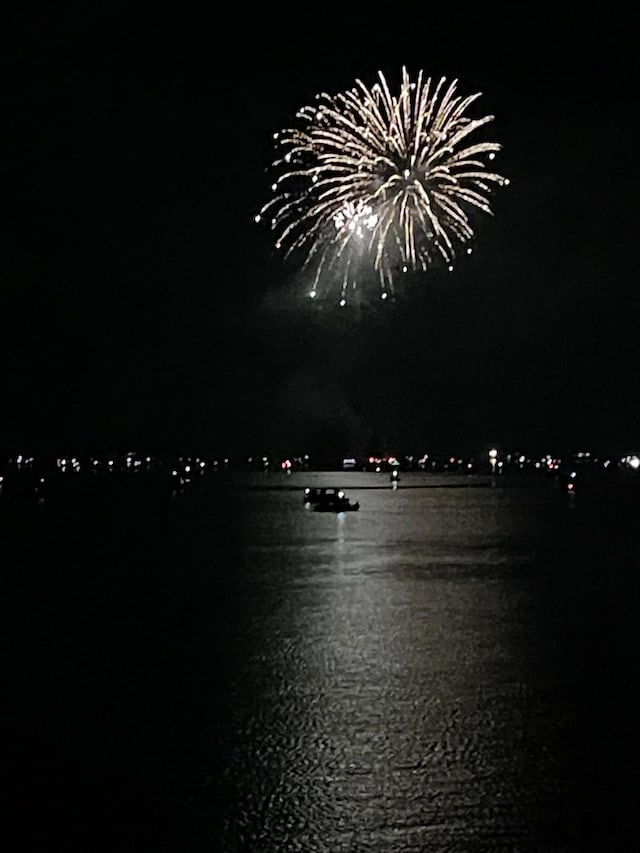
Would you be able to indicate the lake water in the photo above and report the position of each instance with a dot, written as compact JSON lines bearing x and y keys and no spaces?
{"x":451,"y":668}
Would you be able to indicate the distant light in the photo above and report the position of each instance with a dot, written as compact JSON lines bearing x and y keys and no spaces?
{"x":384,"y":295}
{"x":343,"y":302}
{"x":312,"y":294}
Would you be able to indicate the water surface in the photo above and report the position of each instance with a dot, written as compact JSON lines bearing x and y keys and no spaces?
{"x":448,"y":669}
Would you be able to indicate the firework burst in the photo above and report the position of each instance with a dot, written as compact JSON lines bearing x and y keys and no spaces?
{"x":371,"y":185}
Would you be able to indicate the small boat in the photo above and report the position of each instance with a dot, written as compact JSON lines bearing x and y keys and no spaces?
{"x":312,"y":496}
{"x":321,"y":494}
{"x":332,"y":500}
{"x":337,"y":506}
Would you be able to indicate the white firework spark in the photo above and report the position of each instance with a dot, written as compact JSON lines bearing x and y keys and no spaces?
{"x":371,"y":184}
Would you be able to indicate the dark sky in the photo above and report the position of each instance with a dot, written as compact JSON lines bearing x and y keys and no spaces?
{"x":141,"y":307}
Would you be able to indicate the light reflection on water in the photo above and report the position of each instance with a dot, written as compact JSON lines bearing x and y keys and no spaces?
{"x":396,"y":691}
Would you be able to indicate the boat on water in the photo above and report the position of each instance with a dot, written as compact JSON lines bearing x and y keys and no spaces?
{"x":329,"y":500}
{"x":336,"y":505}
{"x":312,"y":496}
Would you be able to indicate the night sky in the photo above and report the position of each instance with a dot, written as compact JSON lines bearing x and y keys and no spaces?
{"x":142,"y":307}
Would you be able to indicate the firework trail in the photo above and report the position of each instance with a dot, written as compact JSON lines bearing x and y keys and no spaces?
{"x":371,"y":185}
